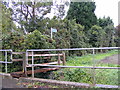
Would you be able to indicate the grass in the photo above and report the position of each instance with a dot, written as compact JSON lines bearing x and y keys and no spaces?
{"x":102,"y":76}
{"x":88,"y":60}
{"x":37,"y":85}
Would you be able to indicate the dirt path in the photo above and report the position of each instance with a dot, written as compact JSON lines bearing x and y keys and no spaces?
{"x":114,"y":59}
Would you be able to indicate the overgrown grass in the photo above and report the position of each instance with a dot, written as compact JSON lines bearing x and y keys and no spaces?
{"x":104,"y":76}
{"x":88,"y":60}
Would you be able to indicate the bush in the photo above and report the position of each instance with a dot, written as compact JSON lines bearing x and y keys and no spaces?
{"x":36,"y":40}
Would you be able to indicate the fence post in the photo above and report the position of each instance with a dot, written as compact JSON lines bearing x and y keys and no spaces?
{"x":64,"y":62}
{"x":58,"y":59}
{"x":32,"y":65}
{"x":6,"y":61}
{"x":94,"y":80}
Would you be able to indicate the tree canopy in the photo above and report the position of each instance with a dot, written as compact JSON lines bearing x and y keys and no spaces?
{"x":83,"y":13}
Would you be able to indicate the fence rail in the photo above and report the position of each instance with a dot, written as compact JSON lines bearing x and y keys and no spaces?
{"x":58,"y":66}
{"x":74,"y":66}
{"x":73,"y":49}
{"x":68,"y":49}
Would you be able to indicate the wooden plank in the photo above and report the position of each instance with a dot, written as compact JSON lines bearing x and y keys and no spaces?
{"x":51,"y":63}
{"x":22,"y":74}
{"x":40,"y":58}
{"x":18,"y":52}
{"x":45,"y":54}
{"x":41,"y":70}
{"x":15,"y":60}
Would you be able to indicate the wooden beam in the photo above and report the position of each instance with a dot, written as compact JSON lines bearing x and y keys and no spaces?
{"x":41,"y":70}
{"x":51,"y":63}
{"x":18,"y":52}
{"x":16,"y":60}
{"x":22,"y":74}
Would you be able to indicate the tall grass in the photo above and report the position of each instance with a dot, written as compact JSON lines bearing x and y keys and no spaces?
{"x":104,"y":76}
{"x":88,"y":60}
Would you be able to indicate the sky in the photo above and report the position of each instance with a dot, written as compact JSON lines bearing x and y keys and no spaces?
{"x":107,"y":8}
{"x":103,"y":8}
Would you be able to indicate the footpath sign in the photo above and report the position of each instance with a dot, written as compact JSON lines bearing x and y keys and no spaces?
{"x":53,"y":30}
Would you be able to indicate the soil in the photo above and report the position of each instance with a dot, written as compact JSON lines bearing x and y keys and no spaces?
{"x":114,"y":59}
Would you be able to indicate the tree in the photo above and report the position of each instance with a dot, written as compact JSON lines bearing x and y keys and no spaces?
{"x":7,"y":23}
{"x":108,"y":26}
{"x":103,"y":22}
{"x":96,"y":36}
{"x":83,"y":13}
{"x":36,"y":40}
{"x":110,"y":36}
{"x":25,"y":13}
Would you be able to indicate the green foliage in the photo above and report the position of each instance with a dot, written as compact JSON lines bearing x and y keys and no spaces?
{"x":83,"y":13}
{"x":36,"y":40}
{"x":96,"y":36}
{"x":13,"y":41}
{"x":104,"y":76}
{"x":87,"y":60}
{"x":25,"y":13}
{"x":109,"y":77}
{"x":80,"y":29}
{"x":7,"y":25}
{"x":73,"y":75}
{"x":103,"y":22}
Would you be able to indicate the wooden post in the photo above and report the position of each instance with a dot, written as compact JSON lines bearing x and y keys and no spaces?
{"x":64,"y":62}
{"x":58,"y":59}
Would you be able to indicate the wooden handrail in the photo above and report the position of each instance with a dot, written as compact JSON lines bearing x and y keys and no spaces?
{"x":18,"y":52}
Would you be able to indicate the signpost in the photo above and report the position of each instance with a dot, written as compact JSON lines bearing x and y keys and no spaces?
{"x":53,"y":30}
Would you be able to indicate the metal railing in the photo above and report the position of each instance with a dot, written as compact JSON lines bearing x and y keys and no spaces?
{"x":73,"y":49}
{"x":6,"y":62}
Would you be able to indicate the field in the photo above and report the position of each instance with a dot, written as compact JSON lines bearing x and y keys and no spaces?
{"x":102,"y":76}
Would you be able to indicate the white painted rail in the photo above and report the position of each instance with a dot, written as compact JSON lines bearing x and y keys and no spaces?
{"x":6,"y":62}
{"x":73,"y":49}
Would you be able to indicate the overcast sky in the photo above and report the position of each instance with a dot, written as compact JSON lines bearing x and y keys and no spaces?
{"x":107,"y":8}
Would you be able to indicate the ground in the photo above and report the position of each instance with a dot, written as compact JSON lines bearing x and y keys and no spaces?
{"x":114,"y":59}
{"x":8,"y":82}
